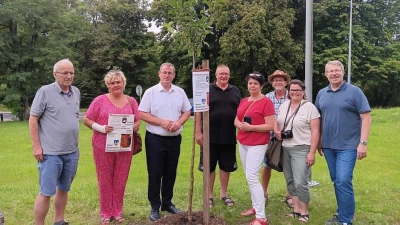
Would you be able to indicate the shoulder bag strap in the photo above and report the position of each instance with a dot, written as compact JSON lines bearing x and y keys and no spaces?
{"x":293,"y":114}
{"x":130,"y":103}
{"x":249,"y":108}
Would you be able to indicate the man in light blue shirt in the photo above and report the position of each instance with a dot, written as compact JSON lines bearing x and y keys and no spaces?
{"x":345,"y":124}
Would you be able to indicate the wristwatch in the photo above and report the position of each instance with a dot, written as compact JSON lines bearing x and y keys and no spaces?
{"x":363,"y":142}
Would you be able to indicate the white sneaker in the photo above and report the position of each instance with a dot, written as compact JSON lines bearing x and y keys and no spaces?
{"x":313,"y":183}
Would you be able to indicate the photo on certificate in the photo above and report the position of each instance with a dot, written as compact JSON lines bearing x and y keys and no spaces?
{"x":126,"y":140}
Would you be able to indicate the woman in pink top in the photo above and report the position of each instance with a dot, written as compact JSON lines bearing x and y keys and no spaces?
{"x":112,"y":168}
{"x":255,"y":119}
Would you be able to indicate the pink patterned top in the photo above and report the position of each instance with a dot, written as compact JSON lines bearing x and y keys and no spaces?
{"x":99,"y":110}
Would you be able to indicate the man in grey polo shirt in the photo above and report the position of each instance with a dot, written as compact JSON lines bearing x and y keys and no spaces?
{"x":345,"y":124}
{"x":165,"y":108}
{"x":54,"y":129}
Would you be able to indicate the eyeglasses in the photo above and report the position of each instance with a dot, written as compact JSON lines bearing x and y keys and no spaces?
{"x":115,"y":82}
{"x":66,"y":73}
{"x":296,"y":90}
{"x":334,"y":71}
{"x":223,"y":74}
{"x":166,"y":73}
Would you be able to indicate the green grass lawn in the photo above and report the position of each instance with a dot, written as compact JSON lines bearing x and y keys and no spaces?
{"x":376,"y":182}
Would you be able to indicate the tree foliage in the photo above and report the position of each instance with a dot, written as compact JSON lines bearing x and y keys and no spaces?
{"x":258,"y":37}
{"x":247,"y":35}
{"x":32,"y":34}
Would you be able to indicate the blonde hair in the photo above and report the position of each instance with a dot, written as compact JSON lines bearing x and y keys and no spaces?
{"x":334,"y":63}
{"x":114,"y":75}
{"x":221,"y":66}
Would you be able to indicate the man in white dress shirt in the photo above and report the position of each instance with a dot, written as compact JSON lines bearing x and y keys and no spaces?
{"x":165,"y":108}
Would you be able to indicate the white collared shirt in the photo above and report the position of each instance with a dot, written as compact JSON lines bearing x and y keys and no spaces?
{"x":168,"y":105}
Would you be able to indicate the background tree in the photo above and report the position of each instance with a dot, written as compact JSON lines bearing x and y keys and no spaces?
{"x":258,"y":38}
{"x":120,"y":40}
{"x":33,"y":33}
{"x":374,"y":62}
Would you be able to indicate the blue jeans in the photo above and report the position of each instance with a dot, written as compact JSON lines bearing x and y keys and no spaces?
{"x":341,"y":166}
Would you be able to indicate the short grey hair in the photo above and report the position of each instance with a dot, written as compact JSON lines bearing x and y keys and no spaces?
{"x":55,"y":68}
{"x":334,"y":63}
{"x":114,"y":74}
{"x":169,"y":65}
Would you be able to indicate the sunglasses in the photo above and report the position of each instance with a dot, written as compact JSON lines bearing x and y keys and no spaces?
{"x":254,"y":75}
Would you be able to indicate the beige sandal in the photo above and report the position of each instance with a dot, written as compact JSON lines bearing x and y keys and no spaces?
{"x":105,"y":221}
{"x":120,"y":219}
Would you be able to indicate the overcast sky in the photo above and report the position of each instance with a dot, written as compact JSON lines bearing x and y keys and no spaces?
{"x":154,"y":28}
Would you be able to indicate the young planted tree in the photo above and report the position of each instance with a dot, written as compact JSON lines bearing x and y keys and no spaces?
{"x":190,"y":23}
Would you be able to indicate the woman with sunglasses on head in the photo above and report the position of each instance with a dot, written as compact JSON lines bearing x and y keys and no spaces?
{"x":255,"y":119}
{"x":298,"y":125}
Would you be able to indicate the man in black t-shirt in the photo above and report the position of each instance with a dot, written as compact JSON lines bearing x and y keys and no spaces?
{"x":224,"y":99}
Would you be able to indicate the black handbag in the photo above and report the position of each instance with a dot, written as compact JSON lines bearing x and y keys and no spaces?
{"x":274,"y":150}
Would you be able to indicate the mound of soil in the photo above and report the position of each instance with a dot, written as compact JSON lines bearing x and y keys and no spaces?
{"x":182,"y":219}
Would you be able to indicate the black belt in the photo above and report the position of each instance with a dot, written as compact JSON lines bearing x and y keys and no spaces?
{"x":166,"y":137}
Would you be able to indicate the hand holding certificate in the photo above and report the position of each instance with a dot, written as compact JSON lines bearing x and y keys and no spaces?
{"x":120,"y":139}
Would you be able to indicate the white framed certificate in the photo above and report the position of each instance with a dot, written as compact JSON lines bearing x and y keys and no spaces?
{"x":120,"y":139}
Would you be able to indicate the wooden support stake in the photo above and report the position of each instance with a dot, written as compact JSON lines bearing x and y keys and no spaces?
{"x":206,"y":160}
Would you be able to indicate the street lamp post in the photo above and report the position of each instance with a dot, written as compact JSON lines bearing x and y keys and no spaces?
{"x":350,"y":37}
{"x":309,"y":50}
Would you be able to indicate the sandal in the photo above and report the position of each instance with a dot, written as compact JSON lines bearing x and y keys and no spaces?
{"x":105,"y":221}
{"x":304,"y":218}
{"x":266,"y":198}
{"x":228,"y":201}
{"x":293,"y":214}
{"x":119,"y":219}
{"x":211,"y":202}
{"x":248,"y":212}
{"x":259,"y":221}
{"x":289,"y":202}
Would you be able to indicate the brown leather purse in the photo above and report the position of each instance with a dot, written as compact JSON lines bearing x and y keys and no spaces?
{"x":137,"y":139}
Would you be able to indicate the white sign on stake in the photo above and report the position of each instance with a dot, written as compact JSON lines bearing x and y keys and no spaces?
{"x":201,"y":83}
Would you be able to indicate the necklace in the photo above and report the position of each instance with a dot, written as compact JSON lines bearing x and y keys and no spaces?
{"x":256,"y":98}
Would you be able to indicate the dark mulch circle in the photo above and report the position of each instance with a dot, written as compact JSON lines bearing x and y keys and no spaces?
{"x":182,"y":219}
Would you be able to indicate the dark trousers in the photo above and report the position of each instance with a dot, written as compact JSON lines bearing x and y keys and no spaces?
{"x":162,"y":155}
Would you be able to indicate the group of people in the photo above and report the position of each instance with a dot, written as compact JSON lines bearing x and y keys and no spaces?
{"x":54,"y":129}
{"x":337,"y":126}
